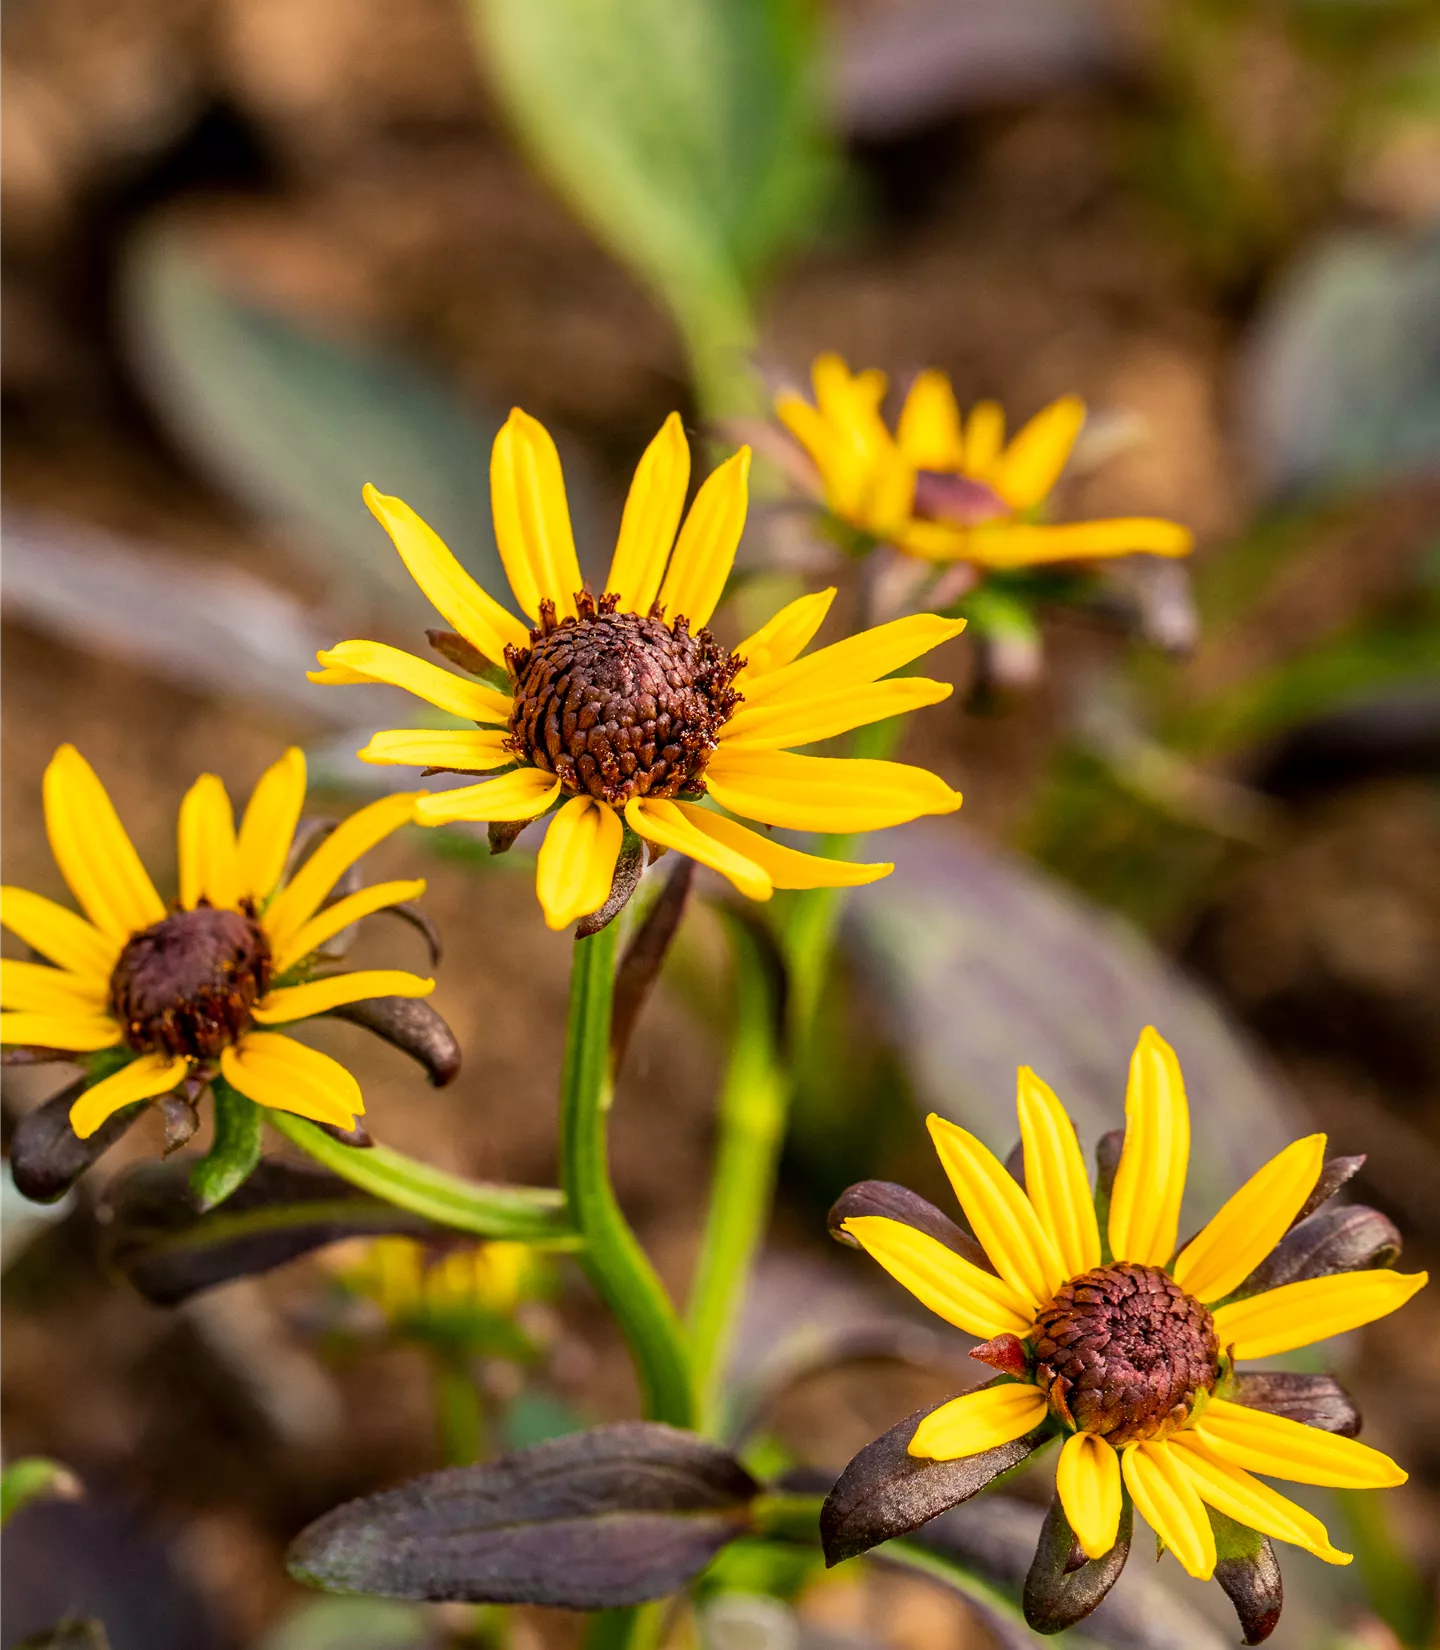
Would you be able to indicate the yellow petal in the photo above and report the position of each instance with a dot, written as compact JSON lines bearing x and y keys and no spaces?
{"x":652,"y":513}
{"x":977,"y":1421}
{"x":1298,"y":1314}
{"x":1249,"y":1226}
{"x":999,"y":1212}
{"x":354,"y":662}
{"x":1232,"y":1491}
{"x":92,"y":850}
{"x":58,"y":934}
{"x":74,"y":1031}
{"x":824,"y":793}
{"x":268,"y":826}
{"x":464,"y":749}
{"x":276,"y":1071}
{"x":1023,"y":544}
{"x":1150,"y":1181}
{"x":806,"y":721}
{"x":1055,"y":1178}
{"x":451,"y":591}
{"x":1166,"y":1498}
{"x":532,"y":519}
{"x":811,"y":429}
{"x":576,"y":864}
{"x":784,"y":637}
{"x":844,"y":666}
{"x":1087,"y":1480}
{"x":143,"y":1079}
{"x":331,"y":919}
{"x":952,"y":1287}
{"x":301,"y":897}
{"x":786,"y":867}
{"x":300,"y":1002}
{"x":984,"y":438}
{"x":40,"y":989}
{"x":1031,"y":465}
{"x":524,"y":794}
{"x":209,"y":861}
{"x":665,"y":823}
{"x":929,"y":431}
{"x":705,"y":550}
{"x":1281,"y":1448}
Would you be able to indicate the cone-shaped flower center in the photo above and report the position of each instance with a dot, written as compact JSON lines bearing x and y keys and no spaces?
{"x":616,"y":705}
{"x":1123,"y":1351}
{"x":187,"y":984}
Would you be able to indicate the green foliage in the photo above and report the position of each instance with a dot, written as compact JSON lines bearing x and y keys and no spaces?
{"x":686,"y":136}
{"x":236,"y":1149}
{"x":34,"y":1478}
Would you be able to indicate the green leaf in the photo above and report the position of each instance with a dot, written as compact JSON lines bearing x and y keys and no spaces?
{"x":236,"y":1149}
{"x":688,"y":138}
{"x":34,"y":1478}
{"x":525,"y":1214}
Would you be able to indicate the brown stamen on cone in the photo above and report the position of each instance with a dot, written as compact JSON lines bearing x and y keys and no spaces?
{"x":616,"y":705}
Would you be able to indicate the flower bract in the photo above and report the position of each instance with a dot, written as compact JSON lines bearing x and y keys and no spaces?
{"x":945,"y":488}
{"x":1123,"y":1342}
{"x":620,"y":712}
{"x":156,"y":997}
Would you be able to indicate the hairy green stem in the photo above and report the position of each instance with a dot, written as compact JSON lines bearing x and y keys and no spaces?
{"x":751,"y":1129}
{"x":611,"y":1254}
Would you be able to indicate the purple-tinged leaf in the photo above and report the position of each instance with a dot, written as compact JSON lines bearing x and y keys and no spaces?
{"x":1334,"y":1173}
{"x":642,"y":957}
{"x":629,"y":868}
{"x":1316,"y":1400}
{"x":894,"y":1202}
{"x":1062,"y":1585}
{"x":1348,"y":1238}
{"x":47,"y":1157}
{"x":412,"y":1026}
{"x":1249,"y":1574}
{"x":612,"y":1516}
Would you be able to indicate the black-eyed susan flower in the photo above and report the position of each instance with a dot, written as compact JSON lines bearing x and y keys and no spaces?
{"x":621,"y":711}
{"x":1124,"y":1343}
{"x":469,"y":1292}
{"x":948,"y":489}
{"x":155,"y":997}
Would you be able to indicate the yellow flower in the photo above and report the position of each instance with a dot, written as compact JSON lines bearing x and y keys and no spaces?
{"x":178,"y":992}
{"x":622,"y":710}
{"x":944,"y":489}
{"x":1120,"y":1344}
{"x":411,"y":1281}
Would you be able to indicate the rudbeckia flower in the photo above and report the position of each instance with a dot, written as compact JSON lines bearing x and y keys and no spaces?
{"x":621,"y":710}
{"x":948,"y":489}
{"x":156,"y":997}
{"x":1123,"y":1343}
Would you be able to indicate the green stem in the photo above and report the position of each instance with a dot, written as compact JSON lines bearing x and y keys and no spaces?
{"x":751,"y":1130}
{"x":611,"y":1254}
{"x":459,"y":1412}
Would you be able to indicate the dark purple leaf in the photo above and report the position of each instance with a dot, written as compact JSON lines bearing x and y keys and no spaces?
{"x":47,"y":1157}
{"x":1317,"y":1400}
{"x":413,"y":1027}
{"x":452,"y":646}
{"x":1347,"y":1238}
{"x":641,"y":960}
{"x":1249,"y":1574}
{"x":628,"y":870}
{"x":612,"y":1516}
{"x":885,"y":1491}
{"x":1063,"y":1586}
{"x":158,"y":1238}
{"x":1334,"y":1173}
{"x":894,"y":1202}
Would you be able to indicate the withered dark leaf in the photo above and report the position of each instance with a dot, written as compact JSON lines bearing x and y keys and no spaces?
{"x":895,"y":1202}
{"x":628,"y":870}
{"x":1334,"y":1173}
{"x":47,"y":1157}
{"x":640,"y":962}
{"x":1317,"y":1400}
{"x":886,"y":1492}
{"x":1346,"y":1238}
{"x":156,"y":1236}
{"x":450,"y":645}
{"x":502,"y":834}
{"x":612,"y":1516}
{"x":413,"y":1027}
{"x":1249,"y":1574}
{"x":1063,"y":1586}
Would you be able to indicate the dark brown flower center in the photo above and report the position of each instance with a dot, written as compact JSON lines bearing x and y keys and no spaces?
{"x":1125,"y":1352}
{"x":616,"y":705}
{"x":187,"y":984}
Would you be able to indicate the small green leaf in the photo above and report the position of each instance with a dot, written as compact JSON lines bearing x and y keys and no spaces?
{"x":34,"y":1478}
{"x":236,"y":1149}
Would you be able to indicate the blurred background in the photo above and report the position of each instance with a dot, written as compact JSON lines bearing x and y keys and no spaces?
{"x":258,"y":252}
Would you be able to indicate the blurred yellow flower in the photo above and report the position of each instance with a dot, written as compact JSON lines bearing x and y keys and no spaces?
{"x":945,"y":489}
{"x":620,"y":711}
{"x":178,"y":991}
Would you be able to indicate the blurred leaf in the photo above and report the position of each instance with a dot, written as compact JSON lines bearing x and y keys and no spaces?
{"x":985,"y":965}
{"x":686,"y":136}
{"x":355,"y":1624}
{"x":33,"y":1478}
{"x":1397,"y":1591}
{"x":208,"y":628}
{"x":74,"y":1633}
{"x":294,"y":422}
{"x":612,"y":1516}
{"x":1343,"y":375}
{"x":169,"y":1250}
